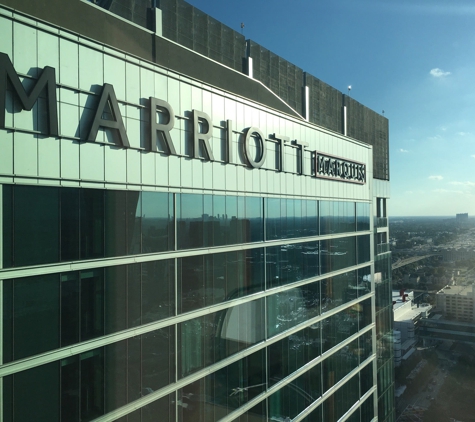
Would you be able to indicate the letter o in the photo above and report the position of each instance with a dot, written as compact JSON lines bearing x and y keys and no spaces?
{"x":345,"y":170}
{"x":248,"y":133}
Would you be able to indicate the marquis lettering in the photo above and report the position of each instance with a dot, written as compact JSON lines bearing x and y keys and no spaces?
{"x":336,"y":168}
{"x":108,"y":99}
{"x":203,"y":121}
{"x":163,"y":129}
{"x":162,"y":121}
{"x":46,"y":80}
{"x":255,"y":133}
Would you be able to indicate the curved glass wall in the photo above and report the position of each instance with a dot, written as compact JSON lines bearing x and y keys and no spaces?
{"x":49,"y":224}
{"x":268,"y":323}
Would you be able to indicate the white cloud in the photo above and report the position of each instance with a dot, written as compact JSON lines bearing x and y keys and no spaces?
{"x":403,"y":150}
{"x":435,"y":177}
{"x":473,"y":156}
{"x":438,"y":73}
{"x":466,"y":184}
{"x":463,"y":133}
{"x":458,"y":192}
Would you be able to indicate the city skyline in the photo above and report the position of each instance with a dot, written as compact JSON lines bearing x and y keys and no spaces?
{"x":411,"y":60}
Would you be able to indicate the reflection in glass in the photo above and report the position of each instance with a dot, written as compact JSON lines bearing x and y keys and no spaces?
{"x":206,"y":340}
{"x":32,"y":395}
{"x":294,"y":397}
{"x":335,"y":406}
{"x":362,"y":216}
{"x":158,"y":233}
{"x":91,"y":212}
{"x":42,"y":313}
{"x":336,"y":254}
{"x":291,"y":353}
{"x":92,"y":383}
{"x":214,"y":220}
{"x":31,"y":222}
{"x":292,"y":307}
{"x":115,"y":222}
{"x":289,"y":263}
{"x":339,"y":327}
{"x":337,"y":217}
{"x":30,"y":316}
{"x":290,"y":218}
{"x":339,"y":290}
{"x":213,"y":397}
{"x":205,"y":280}
{"x":340,"y":363}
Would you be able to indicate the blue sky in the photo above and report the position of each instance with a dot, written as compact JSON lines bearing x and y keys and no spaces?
{"x":414,"y":59}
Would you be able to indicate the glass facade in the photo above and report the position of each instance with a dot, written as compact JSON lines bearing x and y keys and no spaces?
{"x":231,"y":318}
{"x":154,"y":272}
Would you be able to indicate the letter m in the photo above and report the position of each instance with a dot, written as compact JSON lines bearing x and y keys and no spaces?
{"x":46,"y":80}
{"x":320,"y":164}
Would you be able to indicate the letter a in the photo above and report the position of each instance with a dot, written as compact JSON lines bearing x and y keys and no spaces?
{"x":108,"y":97}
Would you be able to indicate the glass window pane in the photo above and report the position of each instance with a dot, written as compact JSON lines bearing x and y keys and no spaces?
{"x":92,"y":223}
{"x":219,"y":220}
{"x":292,"y":307}
{"x":115,"y":217}
{"x":36,"y":315}
{"x":362,"y":216}
{"x":242,"y":226}
{"x":36,"y":394}
{"x":69,"y":224}
{"x":326,"y":215}
{"x":92,"y":304}
{"x":191,"y":283}
{"x":232,"y":225}
{"x":338,"y":290}
{"x":70,"y":296}
{"x":7,"y":320}
{"x":294,"y":397}
{"x":134,"y":222}
{"x":273,"y":219}
{"x":7,"y":226}
{"x":115,"y":299}
{"x":190,"y":221}
{"x":36,"y":225}
{"x":364,"y":249}
{"x":158,"y":357}
{"x":206,"y":340}
{"x":158,"y":290}
{"x":91,"y":384}
{"x":311,"y":219}
{"x":339,"y":364}
{"x":134,"y":295}
{"x":164,"y":407}
{"x":290,"y":354}
{"x":254,"y":219}
{"x":289,"y":218}
{"x":213,"y":397}
{"x":157,"y":222}
{"x":70,"y":389}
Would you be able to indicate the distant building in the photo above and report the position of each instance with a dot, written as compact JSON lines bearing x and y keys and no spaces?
{"x":457,"y":254}
{"x":406,"y":320}
{"x":461,"y":217}
{"x":456,"y":302}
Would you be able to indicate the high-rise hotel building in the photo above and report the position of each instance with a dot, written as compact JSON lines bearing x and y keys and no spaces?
{"x":192,"y":228}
